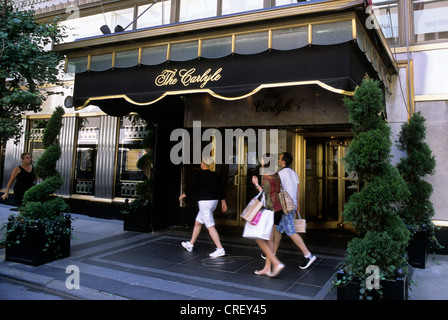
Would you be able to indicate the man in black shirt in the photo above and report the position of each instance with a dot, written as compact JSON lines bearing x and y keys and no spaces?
{"x":208,"y":188}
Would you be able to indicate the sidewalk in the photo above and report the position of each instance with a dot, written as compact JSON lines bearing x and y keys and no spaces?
{"x":122,"y":265}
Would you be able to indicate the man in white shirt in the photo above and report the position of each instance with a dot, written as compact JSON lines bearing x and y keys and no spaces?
{"x":290,"y":183}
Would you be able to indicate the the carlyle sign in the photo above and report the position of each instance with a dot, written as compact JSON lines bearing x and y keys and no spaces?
{"x":187,"y":77}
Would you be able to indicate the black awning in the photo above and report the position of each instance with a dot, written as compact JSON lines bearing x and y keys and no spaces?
{"x":339,"y":68}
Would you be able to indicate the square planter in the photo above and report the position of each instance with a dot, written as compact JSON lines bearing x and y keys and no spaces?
{"x":31,"y":248}
{"x":418,"y":249}
{"x":393,"y":289}
{"x":140,"y":221}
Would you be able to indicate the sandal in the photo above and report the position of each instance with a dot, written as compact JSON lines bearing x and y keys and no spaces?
{"x":260,"y":273}
{"x":276,"y":270}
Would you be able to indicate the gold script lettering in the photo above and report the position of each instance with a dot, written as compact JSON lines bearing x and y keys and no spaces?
{"x":187,"y":77}
{"x":167,"y":77}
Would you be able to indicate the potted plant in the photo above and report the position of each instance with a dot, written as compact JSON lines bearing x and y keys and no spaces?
{"x":382,"y":235}
{"x":417,"y":209}
{"x":138,"y":212}
{"x":42,"y":230}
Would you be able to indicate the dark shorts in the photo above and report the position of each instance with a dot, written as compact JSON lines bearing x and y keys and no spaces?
{"x":277,"y":217}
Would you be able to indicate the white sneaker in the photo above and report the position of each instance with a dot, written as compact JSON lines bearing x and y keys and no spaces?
{"x":187,"y":245}
{"x":218,"y":253}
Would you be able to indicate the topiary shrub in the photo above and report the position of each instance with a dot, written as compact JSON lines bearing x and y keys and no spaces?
{"x":417,"y":209}
{"x":382,"y":236}
{"x":41,"y":209}
{"x":39,"y":201}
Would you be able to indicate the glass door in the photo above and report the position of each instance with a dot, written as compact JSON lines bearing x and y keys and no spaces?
{"x":327,"y":186}
{"x":236,"y":175}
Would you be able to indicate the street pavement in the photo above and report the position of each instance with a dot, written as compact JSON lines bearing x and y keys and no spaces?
{"x":115,"y":264}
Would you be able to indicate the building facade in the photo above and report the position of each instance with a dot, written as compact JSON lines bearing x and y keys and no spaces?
{"x":243,"y":78}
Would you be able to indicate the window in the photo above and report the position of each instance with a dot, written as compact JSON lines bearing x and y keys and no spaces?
{"x":430,"y":20}
{"x":386,"y":12}
{"x":284,"y":2}
{"x":126,"y":59}
{"x":101,"y":62}
{"x":184,"y":51}
{"x":332,"y":33}
{"x":77,"y":65}
{"x":291,"y":38}
{"x":154,"y":55}
{"x":235,"y":6}
{"x":251,"y":43}
{"x":217,"y":47}
{"x":158,"y":14}
{"x":197,"y":9}
{"x":130,"y":150}
{"x":34,"y":138}
{"x":85,"y":164}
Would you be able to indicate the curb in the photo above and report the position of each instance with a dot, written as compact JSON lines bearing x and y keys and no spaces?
{"x":49,"y":284}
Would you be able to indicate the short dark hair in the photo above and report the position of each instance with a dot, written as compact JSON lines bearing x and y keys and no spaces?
{"x":287,"y":157}
{"x":22,"y":156}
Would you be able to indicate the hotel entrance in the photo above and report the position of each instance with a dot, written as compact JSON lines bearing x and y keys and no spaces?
{"x":318,"y":160}
{"x":325,"y":185}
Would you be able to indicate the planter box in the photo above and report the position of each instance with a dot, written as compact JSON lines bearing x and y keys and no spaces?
{"x":31,"y":251}
{"x":393,"y":289}
{"x":418,"y":249}
{"x":140,"y":221}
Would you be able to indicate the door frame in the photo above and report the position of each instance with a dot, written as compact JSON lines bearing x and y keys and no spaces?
{"x":300,"y":168}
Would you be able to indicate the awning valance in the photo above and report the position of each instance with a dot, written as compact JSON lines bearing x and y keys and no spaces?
{"x":339,"y":68}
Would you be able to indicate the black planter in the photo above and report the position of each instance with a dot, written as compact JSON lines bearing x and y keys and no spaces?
{"x":31,"y":248}
{"x":140,"y":221}
{"x":393,"y":289}
{"x":418,"y":249}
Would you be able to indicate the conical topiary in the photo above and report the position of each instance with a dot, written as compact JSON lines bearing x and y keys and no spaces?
{"x":417,"y":209}
{"x":42,"y":211}
{"x":39,"y":201}
{"x":382,"y":235}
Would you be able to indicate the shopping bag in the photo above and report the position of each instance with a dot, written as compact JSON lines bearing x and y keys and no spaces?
{"x":286,"y":201}
{"x":253,"y":207}
{"x":257,"y":218}
{"x":299,"y":224}
{"x":263,"y":229}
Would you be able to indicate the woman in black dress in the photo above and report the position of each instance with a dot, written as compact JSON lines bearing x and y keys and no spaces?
{"x":24,"y":176}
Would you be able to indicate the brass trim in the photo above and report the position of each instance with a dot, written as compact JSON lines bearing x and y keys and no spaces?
{"x":310,"y":34}
{"x":199,"y":48}
{"x":140,"y":50}
{"x":422,"y":47}
{"x":430,"y":97}
{"x":354,"y":29}
{"x":410,"y":97}
{"x":269,"y":39}
{"x":209,"y":91}
{"x":440,"y":223}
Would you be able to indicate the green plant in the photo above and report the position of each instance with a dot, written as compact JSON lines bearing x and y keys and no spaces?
{"x":41,"y":209}
{"x":146,"y":165}
{"x":26,"y":65}
{"x":382,"y":235}
{"x":417,"y":209}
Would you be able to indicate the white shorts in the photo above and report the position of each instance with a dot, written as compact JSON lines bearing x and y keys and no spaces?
{"x":205,"y":214}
